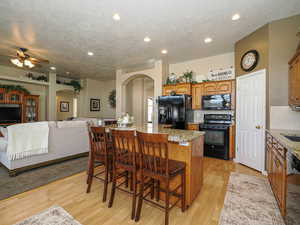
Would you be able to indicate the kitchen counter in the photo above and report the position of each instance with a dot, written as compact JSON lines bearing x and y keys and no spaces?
{"x":185,"y":146}
{"x":293,"y":146}
{"x":175,"y":135}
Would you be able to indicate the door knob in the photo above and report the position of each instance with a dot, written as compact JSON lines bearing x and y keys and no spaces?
{"x":258,"y":127}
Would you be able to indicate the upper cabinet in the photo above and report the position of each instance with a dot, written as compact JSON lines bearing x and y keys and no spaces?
{"x":294,"y":81}
{"x":179,"y":89}
{"x":197,"y":92}
{"x":14,"y":97}
{"x":212,"y":88}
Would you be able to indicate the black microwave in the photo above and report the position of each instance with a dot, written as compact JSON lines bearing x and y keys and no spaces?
{"x":216,"y":102}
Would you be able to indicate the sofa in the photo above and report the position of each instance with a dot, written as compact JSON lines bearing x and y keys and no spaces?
{"x":67,"y":140}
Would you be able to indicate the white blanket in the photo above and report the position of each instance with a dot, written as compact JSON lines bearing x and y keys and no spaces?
{"x":27,"y":139}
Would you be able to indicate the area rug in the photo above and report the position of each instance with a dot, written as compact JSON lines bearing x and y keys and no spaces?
{"x":249,"y":201}
{"x":55,"y":215}
{"x":28,"y":180}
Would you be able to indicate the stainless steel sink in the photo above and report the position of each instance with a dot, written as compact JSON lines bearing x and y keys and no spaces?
{"x":293,"y":138}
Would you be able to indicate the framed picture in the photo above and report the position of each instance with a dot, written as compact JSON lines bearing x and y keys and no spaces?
{"x":64,"y":106}
{"x":94,"y":104}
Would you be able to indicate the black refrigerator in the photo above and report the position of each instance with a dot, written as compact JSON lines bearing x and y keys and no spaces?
{"x":173,"y":110}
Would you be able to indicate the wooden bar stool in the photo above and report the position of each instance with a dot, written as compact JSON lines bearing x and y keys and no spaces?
{"x":100,"y":154}
{"x":155,"y":164}
{"x":124,"y":163}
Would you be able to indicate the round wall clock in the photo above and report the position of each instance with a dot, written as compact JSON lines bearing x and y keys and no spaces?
{"x":249,"y":60}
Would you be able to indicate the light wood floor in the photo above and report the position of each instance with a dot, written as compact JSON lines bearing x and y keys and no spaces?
{"x":88,"y":209}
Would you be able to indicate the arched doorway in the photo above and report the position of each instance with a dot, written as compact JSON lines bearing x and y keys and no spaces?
{"x":138,"y":95}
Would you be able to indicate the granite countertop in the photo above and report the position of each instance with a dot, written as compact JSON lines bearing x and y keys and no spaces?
{"x":175,"y":135}
{"x":293,"y":146}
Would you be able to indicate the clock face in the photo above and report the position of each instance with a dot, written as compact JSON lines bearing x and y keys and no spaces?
{"x":249,"y":60}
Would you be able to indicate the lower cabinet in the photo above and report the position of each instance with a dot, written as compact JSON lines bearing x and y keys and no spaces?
{"x":276,"y":168}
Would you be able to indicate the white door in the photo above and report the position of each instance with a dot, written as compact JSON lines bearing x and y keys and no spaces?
{"x":251,"y":119}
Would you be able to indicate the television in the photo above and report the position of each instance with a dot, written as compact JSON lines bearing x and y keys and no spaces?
{"x":10,"y":113}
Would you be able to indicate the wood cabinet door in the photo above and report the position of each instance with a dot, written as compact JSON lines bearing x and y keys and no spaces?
{"x":183,"y":89}
{"x":224,"y":87}
{"x":294,"y":82}
{"x":210,"y":88}
{"x":193,"y":126}
{"x":31,"y":108}
{"x":197,"y":92}
{"x":2,"y":95}
{"x":167,"y":89}
{"x":14,"y":97}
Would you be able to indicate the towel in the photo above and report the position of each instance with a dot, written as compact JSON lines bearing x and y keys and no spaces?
{"x":27,"y":139}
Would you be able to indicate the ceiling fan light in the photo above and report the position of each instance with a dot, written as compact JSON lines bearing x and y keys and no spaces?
{"x":28,"y":63}
{"x":17,"y":62}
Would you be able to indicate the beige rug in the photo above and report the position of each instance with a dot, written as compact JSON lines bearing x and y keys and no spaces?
{"x":55,"y":215}
{"x":249,"y":201}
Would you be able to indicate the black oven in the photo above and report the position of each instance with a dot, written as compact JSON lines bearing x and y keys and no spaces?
{"x":216,"y":138}
{"x":216,"y":102}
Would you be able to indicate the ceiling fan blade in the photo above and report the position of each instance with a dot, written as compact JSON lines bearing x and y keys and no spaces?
{"x":20,"y":54}
{"x":38,"y":60}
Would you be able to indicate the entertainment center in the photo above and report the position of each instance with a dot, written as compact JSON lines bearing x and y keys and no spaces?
{"x":18,"y":107}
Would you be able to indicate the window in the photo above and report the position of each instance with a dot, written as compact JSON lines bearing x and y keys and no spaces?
{"x":150,"y":109}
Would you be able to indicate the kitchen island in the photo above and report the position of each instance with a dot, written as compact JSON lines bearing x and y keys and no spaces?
{"x":186,"y":146}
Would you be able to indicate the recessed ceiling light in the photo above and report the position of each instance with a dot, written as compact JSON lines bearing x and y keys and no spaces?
{"x":207,"y":40}
{"x":236,"y":16}
{"x":52,"y":68}
{"x":164,"y":51}
{"x":90,"y":53}
{"x":67,"y":72}
{"x":116,"y":16}
{"x":147,"y":39}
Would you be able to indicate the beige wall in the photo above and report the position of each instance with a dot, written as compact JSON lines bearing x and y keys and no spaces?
{"x":34,"y":89}
{"x":64,"y":97}
{"x":258,"y":40}
{"x":204,"y":65}
{"x":282,"y":46}
{"x":98,"y":90}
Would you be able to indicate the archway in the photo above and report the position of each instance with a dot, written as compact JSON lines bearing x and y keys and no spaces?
{"x":138,"y":95}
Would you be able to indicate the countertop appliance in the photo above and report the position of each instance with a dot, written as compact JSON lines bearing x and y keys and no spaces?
{"x":173,"y":110}
{"x":293,"y":192}
{"x":216,"y":102}
{"x":216,"y":141}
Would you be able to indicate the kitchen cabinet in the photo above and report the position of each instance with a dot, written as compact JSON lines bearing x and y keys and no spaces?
{"x":179,"y":89}
{"x":276,"y":168}
{"x":31,"y":108}
{"x":192,"y":126}
{"x":218,"y":87}
{"x":197,"y":92}
{"x":14,"y":97}
{"x":167,"y":89}
{"x":212,"y":88}
{"x":294,"y":80}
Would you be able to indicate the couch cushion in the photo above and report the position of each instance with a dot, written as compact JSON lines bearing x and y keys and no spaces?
{"x":62,"y":124}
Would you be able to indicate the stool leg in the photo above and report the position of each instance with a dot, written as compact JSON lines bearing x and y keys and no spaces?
{"x":105,"y":183}
{"x":157,"y":190}
{"x":134,"y":186}
{"x":90,"y":174}
{"x":141,"y":193}
{"x":113,"y":188}
{"x":183,"y":191}
{"x":167,"y":203}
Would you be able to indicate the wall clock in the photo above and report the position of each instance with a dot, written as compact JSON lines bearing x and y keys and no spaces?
{"x":249,"y":60}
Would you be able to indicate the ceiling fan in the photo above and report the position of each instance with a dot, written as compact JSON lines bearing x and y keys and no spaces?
{"x":23,"y":59}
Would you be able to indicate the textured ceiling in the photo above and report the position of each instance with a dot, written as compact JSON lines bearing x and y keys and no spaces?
{"x":64,"y":31}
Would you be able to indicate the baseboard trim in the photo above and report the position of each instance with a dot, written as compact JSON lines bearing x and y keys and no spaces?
{"x":15,"y":172}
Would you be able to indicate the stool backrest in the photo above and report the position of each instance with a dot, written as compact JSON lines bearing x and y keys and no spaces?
{"x":98,"y":140}
{"x":124,"y":142}
{"x":153,"y":149}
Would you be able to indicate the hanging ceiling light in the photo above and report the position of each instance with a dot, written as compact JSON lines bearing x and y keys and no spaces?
{"x":17,"y":62}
